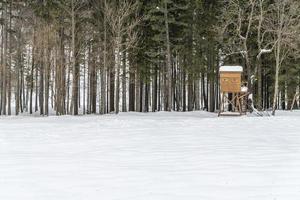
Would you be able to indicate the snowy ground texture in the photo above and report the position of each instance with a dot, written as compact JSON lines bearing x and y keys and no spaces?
{"x":155,"y":156}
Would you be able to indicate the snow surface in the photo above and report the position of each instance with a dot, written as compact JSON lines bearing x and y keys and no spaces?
{"x":266,"y":51}
{"x":154,"y":156}
{"x":244,"y":89}
{"x":231,"y":69}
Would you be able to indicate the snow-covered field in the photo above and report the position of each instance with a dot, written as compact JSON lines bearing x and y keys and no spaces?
{"x":155,"y":156}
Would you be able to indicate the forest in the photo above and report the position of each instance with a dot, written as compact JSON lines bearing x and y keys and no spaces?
{"x":74,"y":57}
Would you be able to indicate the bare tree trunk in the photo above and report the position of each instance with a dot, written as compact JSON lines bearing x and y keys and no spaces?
{"x":168,"y":61}
{"x":204,"y":94}
{"x":132,"y":76}
{"x":124,"y":88}
{"x":108,"y":87}
{"x":154,"y":90}
{"x":84,"y":83}
{"x":9,"y":61}
{"x":183,"y":91}
{"x":190,"y":93}
{"x":93,"y":81}
{"x":211,"y":77}
{"x":22,"y":93}
{"x":103,"y":91}
{"x":4,"y":70}
{"x":47,"y":71}
{"x":112,"y":75}
{"x":138,"y":94}
{"x":1,"y":66}
{"x":103,"y":108}
{"x":61,"y":74}
{"x":32,"y":73}
{"x":197,"y":94}
{"x":75,"y":64}
{"x":36,"y":87}
{"x":118,"y":68}
{"x":41,"y":85}
{"x":276,"y":85}
{"x":18,"y":69}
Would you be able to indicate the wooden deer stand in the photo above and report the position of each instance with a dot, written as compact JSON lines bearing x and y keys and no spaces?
{"x":230,"y":85}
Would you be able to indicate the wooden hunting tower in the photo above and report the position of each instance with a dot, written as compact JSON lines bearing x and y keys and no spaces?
{"x":232,"y":92}
{"x":230,"y":78}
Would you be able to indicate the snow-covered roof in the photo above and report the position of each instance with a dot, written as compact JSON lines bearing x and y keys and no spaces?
{"x":231,"y":69}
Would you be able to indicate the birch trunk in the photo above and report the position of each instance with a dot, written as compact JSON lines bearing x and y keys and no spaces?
{"x":278,"y":62}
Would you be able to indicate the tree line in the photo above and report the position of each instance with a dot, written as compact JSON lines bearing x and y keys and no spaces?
{"x":110,"y":56}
